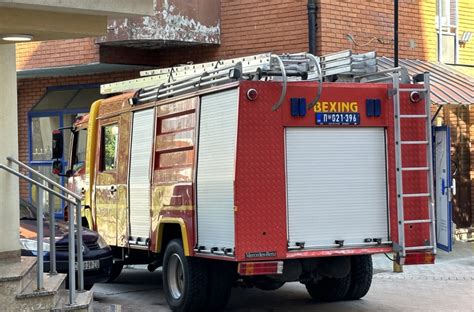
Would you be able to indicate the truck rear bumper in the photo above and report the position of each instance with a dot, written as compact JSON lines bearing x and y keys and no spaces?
{"x":337,"y":252}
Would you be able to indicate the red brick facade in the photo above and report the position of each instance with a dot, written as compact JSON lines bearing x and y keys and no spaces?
{"x":57,"y":53}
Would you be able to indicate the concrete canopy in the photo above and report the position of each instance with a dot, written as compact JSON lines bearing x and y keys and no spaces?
{"x":63,"y":19}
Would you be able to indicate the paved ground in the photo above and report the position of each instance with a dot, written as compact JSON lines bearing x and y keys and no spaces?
{"x":445,"y":286}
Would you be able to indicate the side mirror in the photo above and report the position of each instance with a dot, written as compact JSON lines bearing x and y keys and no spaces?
{"x":57,"y":145}
{"x":57,"y":167}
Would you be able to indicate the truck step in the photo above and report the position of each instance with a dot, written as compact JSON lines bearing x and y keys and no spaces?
{"x":418,"y":248}
{"x":417,"y":221}
{"x":413,"y":142}
{"x":413,"y":116}
{"x":415,"y":168}
{"x":417,"y":195}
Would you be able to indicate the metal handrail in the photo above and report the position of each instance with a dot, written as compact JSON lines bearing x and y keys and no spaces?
{"x":75,"y":201}
{"x":45,"y":178}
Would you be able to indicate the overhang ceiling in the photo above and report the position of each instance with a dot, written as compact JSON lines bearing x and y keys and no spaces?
{"x":64,"y":19}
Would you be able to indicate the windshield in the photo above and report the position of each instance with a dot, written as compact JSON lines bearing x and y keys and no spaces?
{"x":78,"y":158}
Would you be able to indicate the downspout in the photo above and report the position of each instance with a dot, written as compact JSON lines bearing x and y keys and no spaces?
{"x":312,"y":26}
{"x":395,"y":34}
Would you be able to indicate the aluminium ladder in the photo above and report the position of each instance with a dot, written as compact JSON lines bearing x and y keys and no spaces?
{"x":162,"y":83}
{"x":428,"y":168}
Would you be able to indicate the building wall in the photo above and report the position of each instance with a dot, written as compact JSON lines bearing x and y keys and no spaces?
{"x":247,"y":27}
{"x":466,"y":23}
{"x":370,"y":22}
{"x":56,"y":53}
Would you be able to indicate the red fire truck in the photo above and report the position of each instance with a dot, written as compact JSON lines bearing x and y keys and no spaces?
{"x":258,"y":172}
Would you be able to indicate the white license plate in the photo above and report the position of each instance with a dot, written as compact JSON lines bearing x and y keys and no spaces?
{"x":90,"y":265}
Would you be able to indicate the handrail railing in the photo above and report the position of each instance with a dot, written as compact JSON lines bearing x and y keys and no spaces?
{"x":75,"y":200}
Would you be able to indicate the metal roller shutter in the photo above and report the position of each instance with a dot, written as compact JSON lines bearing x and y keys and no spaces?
{"x":336,"y":186}
{"x":216,"y":169}
{"x":142,"y":146}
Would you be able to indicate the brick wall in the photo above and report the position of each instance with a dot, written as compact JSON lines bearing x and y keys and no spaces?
{"x":247,"y":27}
{"x":370,"y":22}
{"x":56,"y":53}
{"x":31,"y":90}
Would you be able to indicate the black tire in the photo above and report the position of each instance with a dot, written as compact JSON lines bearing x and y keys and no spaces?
{"x":115,"y":272}
{"x":329,"y":289}
{"x":185,"y":279}
{"x":221,"y":278}
{"x":361,"y":277}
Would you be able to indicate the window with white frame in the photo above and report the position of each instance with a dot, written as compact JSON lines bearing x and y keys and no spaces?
{"x":449,"y":26}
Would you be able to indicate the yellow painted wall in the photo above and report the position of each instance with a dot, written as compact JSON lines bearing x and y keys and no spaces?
{"x":466,"y":23}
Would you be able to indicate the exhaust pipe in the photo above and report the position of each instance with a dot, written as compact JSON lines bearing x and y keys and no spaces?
{"x":154,"y":265}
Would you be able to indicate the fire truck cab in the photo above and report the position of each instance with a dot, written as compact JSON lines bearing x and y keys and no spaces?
{"x":224,"y":179}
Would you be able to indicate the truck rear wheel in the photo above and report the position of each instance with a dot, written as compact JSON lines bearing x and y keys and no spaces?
{"x":329,"y":289}
{"x":185,"y":279}
{"x":361,"y":277}
{"x":221,"y":277}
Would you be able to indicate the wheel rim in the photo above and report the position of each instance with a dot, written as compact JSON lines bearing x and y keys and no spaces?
{"x":175,"y":276}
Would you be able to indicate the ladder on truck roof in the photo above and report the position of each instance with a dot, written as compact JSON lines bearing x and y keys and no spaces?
{"x":427,"y":167}
{"x":161,"y":83}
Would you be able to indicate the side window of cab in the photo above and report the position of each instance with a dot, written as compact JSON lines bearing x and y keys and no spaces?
{"x":109,"y":147}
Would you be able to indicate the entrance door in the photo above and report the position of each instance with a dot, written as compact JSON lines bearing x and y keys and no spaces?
{"x":443,"y":188}
{"x":106,"y":189}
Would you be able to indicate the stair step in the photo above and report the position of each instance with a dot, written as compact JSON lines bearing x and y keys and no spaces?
{"x":413,"y":116}
{"x":31,"y":299}
{"x":417,"y":195}
{"x":15,"y":271}
{"x":15,"y":277}
{"x":417,"y":221}
{"x":51,"y":285}
{"x":83,"y":302}
{"x":415,"y":168}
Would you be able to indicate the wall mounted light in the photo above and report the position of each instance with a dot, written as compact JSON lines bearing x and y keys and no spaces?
{"x":16,"y":37}
{"x":466,"y":36}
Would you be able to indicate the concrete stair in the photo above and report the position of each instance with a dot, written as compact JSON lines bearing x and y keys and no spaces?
{"x":18,"y":290}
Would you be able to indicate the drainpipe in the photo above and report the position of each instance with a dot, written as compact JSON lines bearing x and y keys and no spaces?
{"x":312,"y":26}
{"x":395,"y":34}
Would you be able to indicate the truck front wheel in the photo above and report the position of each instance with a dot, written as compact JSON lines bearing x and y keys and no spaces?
{"x":329,"y":289}
{"x":361,"y":277}
{"x":185,"y":279}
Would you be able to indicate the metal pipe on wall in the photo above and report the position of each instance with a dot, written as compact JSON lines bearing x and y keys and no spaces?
{"x":395,"y":33}
{"x":312,"y":26}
